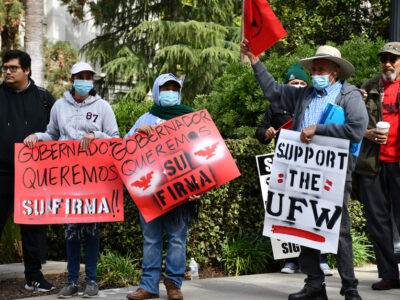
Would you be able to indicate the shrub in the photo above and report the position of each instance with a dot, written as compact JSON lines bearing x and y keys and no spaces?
{"x":116,"y":270}
{"x":246,"y":255}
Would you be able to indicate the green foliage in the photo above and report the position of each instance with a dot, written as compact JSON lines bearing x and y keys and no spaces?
{"x":237,"y":104}
{"x":11,"y":17}
{"x":127,"y":112}
{"x":59,"y":59}
{"x":118,"y":270}
{"x":10,"y":243}
{"x":363,"y":252}
{"x":244,"y":255}
{"x":358,"y":220}
{"x":315,"y":22}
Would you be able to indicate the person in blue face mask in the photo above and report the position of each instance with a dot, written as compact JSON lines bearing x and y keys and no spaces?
{"x":167,"y":105}
{"x":80,"y":115}
{"x":273,"y":119}
{"x":329,"y":71}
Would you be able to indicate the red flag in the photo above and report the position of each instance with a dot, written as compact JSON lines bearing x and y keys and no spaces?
{"x":261,"y":27}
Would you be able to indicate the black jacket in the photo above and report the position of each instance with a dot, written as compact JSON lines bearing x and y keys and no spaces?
{"x":21,"y":114}
{"x":275,"y":117}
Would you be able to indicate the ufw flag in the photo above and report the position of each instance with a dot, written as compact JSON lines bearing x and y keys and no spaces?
{"x":261,"y":27}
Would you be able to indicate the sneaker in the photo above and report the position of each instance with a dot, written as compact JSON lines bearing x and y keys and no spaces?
{"x":91,"y":290}
{"x":41,"y":285}
{"x":326,"y":269}
{"x":290,"y":268}
{"x":69,"y":289}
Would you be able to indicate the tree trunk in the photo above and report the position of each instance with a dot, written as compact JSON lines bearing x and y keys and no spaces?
{"x":34,"y":38}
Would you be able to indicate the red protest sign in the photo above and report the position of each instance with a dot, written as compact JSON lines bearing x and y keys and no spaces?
{"x":58,"y":182}
{"x":184,"y":156}
{"x":261,"y":27}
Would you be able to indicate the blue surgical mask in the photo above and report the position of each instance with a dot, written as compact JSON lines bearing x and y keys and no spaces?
{"x":320,"y":82}
{"x":169,"y":98}
{"x":83,"y":87}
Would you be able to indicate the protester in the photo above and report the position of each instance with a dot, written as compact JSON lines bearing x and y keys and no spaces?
{"x":24,"y":108}
{"x":274,"y":118}
{"x":378,"y":164}
{"x":167,"y":98}
{"x":80,"y":114}
{"x":329,"y":72}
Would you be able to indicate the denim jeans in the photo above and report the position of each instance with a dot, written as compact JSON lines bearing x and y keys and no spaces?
{"x":175,"y":261}
{"x":74,"y":234}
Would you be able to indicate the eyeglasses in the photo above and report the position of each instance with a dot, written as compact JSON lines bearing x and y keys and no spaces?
{"x":12,"y":69}
{"x":392,"y":59}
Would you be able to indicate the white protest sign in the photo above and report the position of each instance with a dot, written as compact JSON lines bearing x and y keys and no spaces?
{"x":280,"y":249}
{"x":284,"y":250}
{"x":305,"y":196}
{"x":264,"y":166}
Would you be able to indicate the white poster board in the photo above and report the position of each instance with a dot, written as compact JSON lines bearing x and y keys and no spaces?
{"x":280,"y":249}
{"x":305,"y":196}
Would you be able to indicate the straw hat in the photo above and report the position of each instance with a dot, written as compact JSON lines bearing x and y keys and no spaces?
{"x":332,"y":54}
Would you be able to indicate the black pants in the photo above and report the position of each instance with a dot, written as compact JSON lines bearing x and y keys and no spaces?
{"x":310,"y":258}
{"x":380,"y":194}
{"x":32,"y":235}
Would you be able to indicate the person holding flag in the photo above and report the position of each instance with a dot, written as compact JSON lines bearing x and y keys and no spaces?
{"x":329,"y":71}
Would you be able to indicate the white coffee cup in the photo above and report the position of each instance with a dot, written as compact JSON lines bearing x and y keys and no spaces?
{"x":383,"y":126}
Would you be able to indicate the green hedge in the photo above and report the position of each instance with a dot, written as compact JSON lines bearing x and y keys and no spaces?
{"x":236,"y":207}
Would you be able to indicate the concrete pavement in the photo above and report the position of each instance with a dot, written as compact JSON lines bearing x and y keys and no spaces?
{"x":271,"y":286}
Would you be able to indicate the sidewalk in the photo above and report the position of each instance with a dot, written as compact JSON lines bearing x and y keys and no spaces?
{"x":8,"y":271}
{"x":271,"y":286}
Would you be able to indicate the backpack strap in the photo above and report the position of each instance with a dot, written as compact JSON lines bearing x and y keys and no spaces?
{"x":46,"y":102}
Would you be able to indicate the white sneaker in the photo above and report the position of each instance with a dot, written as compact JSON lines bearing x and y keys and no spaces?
{"x":290,"y":268}
{"x":326,"y":269}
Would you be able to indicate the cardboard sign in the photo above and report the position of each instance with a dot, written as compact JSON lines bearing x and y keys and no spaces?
{"x":305,"y":196}
{"x":264,"y":167}
{"x":284,"y":250}
{"x":58,"y":182}
{"x":184,"y":156}
{"x":280,"y":249}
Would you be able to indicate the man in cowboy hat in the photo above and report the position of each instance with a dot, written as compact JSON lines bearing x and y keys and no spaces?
{"x":378,"y":165}
{"x":329,"y":72}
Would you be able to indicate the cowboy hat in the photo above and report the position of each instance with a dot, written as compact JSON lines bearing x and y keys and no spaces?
{"x":332,"y":54}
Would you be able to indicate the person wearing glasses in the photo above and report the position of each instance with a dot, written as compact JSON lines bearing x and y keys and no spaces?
{"x":24,"y":109}
{"x":378,"y":164}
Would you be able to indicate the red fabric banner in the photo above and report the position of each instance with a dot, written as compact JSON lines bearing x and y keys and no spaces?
{"x":184,"y":156}
{"x":261,"y":27}
{"x":58,"y":182}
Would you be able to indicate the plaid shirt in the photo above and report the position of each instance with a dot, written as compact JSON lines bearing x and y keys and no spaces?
{"x":318,"y":103}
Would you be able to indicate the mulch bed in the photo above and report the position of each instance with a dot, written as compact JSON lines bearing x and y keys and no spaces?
{"x":14,"y":288}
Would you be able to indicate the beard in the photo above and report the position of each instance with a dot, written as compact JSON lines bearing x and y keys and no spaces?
{"x":389,"y":76}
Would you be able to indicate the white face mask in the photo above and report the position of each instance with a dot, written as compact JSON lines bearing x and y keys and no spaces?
{"x":297,"y":85}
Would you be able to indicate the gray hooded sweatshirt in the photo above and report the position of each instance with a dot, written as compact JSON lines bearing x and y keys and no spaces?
{"x":70,"y":120}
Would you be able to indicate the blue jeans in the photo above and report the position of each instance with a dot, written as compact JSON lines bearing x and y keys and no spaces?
{"x":74,"y":234}
{"x":175,"y":261}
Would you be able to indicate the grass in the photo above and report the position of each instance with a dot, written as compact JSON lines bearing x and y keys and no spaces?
{"x":113,"y":269}
{"x":243,"y":255}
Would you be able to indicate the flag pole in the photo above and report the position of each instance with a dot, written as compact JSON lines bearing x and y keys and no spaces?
{"x":243,"y":58}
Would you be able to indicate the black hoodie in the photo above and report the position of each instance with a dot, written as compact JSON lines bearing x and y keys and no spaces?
{"x":21,"y":114}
